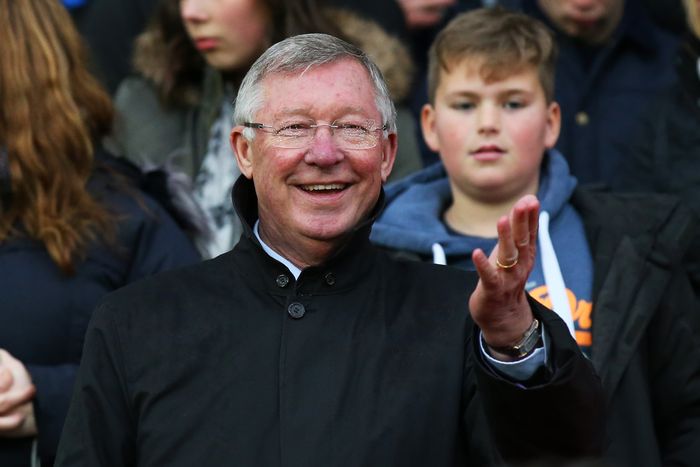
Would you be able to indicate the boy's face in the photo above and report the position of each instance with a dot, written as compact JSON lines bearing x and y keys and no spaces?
{"x":491,"y":136}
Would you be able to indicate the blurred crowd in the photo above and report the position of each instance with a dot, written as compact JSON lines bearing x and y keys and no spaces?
{"x":116,"y":163}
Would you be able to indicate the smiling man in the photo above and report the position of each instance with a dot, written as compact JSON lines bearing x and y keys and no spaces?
{"x":307,"y":346}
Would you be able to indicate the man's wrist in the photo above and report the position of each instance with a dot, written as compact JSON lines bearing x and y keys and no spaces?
{"x":530,"y":340}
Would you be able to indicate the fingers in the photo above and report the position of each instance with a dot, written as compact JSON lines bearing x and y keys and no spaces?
{"x":6,"y":378}
{"x":487,"y":272}
{"x":524,"y":220}
{"x":507,"y":253}
{"x":517,"y":236}
{"x":11,"y":399}
{"x":12,"y":421}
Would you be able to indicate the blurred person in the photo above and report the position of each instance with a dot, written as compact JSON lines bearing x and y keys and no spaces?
{"x":610,"y":265}
{"x":109,"y":28}
{"x":73,"y":224}
{"x":613,"y":59}
{"x":190,"y":62}
{"x":305,"y":345}
{"x":665,"y":150}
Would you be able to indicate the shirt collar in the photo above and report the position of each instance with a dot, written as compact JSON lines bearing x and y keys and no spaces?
{"x":292,"y":268}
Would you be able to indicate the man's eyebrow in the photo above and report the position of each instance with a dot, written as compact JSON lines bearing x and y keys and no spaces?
{"x":307,"y":111}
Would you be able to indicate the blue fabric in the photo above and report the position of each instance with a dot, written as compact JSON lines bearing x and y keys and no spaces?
{"x":70,"y":4}
{"x":412,"y":218}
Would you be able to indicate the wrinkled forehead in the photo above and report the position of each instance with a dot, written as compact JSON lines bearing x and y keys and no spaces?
{"x":323,"y":91}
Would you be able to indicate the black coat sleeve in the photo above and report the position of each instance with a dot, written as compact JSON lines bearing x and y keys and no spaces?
{"x":99,"y":429}
{"x":674,"y":365}
{"x":558,"y":414}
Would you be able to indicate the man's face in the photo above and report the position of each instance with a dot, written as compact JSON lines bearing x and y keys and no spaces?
{"x":230,"y":34}
{"x":320,"y":192}
{"x":491,"y":136}
{"x":592,"y":21}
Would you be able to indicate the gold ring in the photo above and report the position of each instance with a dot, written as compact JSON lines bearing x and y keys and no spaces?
{"x":513,"y":262}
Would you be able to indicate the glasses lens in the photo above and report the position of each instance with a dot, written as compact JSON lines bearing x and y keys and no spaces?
{"x":346,"y":135}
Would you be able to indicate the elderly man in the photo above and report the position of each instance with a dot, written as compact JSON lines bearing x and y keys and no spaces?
{"x":305,"y":345}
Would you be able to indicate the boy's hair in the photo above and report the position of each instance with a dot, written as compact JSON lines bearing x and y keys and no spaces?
{"x":503,"y":41}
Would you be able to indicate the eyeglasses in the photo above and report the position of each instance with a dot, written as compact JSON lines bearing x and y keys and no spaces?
{"x":300,"y":134}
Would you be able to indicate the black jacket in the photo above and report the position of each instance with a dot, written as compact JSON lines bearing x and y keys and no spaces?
{"x":361,"y":361}
{"x":644,"y":313}
{"x":644,"y":310}
{"x":664,"y":155}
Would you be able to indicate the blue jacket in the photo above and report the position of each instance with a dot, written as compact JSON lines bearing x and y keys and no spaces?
{"x":44,"y":313}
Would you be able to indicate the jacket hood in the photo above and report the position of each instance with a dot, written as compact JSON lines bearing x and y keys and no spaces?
{"x":412,"y":219}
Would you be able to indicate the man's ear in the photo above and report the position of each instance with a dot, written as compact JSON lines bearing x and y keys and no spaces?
{"x":389,"y":147}
{"x":427,"y":123}
{"x":243,"y":149}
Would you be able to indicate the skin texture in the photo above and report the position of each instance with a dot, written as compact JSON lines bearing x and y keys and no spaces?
{"x":592,"y":21}
{"x":491,"y":136}
{"x":230,"y":34}
{"x":424,"y":13}
{"x":16,"y":393}
{"x":306,"y":228}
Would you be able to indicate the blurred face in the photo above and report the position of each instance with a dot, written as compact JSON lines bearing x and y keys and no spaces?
{"x":314,"y":195}
{"x":230,"y":34}
{"x":491,"y":136}
{"x":692,"y":9}
{"x":592,"y":21}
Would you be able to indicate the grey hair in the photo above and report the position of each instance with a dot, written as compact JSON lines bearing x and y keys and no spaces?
{"x":299,"y":53}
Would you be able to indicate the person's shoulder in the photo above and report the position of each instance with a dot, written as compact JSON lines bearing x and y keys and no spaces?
{"x":643,"y":206}
{"x":661,"y":216}
{"x":123,"y":188}
{"x":133,"y":89}
{"x":170,"y":290}
{"x":144,"y":207}
{"x":409,"y":268}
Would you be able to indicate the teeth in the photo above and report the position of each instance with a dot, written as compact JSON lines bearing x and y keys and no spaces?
{"x":333,"y":186}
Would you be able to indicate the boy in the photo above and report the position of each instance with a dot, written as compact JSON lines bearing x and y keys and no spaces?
{"x":609,"y":265}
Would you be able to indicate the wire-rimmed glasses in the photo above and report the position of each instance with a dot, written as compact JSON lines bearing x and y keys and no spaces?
{"x":362,"y":134}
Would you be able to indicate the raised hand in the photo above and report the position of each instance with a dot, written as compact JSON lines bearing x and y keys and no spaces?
{"x":498,"y":304}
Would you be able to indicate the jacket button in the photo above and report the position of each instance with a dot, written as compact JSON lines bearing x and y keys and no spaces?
{"x":582,"y":118}
{"x":282,"y":280}
{"x":296,"y":310}
{"x":330,"y":278}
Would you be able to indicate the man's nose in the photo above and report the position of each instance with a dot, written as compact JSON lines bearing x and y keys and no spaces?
{"x":194,"y":10}
{"x":324,"y":150}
